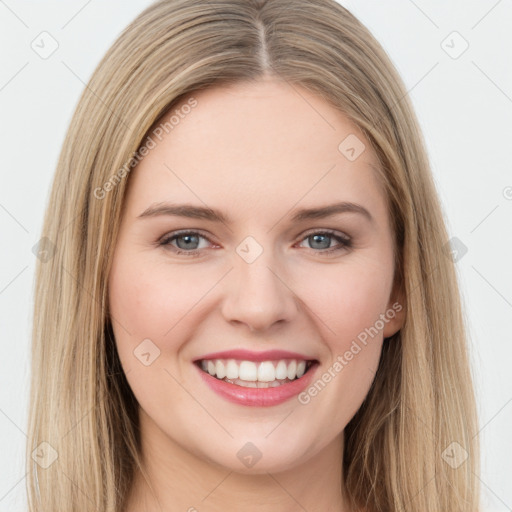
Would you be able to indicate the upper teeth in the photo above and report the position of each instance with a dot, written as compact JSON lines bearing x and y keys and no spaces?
{"x":265,"y":371}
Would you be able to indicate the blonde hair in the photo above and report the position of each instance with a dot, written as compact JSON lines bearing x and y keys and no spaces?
{"x":422,"y":399}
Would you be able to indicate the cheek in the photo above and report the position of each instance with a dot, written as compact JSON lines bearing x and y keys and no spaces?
{"x":348,"y":298}
{"x":153,"y":301}
{"x":347,"y":303}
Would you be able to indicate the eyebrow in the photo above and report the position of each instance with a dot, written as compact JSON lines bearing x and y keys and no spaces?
{"x":199,"y":212}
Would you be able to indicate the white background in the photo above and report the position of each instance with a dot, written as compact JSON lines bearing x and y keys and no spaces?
{"x":464,"y":106}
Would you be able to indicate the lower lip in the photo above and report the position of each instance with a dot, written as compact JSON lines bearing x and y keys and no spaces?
{"x":258,"y":397}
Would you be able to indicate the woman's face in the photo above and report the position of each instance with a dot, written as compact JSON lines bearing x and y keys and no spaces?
{"x":279,"y":280}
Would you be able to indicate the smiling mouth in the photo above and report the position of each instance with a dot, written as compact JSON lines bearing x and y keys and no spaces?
{"x":251,"y":374}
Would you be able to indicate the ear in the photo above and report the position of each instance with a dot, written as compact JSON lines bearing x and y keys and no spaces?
{"x":395,"y":312}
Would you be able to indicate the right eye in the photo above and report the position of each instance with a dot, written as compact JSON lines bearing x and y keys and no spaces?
{"x":186,"y":242}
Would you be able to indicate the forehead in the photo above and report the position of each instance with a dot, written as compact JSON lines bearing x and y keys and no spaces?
{"x":257,"y":145}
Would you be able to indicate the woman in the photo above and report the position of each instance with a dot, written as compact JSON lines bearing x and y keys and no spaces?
{"x":249,"y":303}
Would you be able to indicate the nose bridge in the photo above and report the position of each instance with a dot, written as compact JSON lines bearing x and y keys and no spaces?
{"x":259,"y":296}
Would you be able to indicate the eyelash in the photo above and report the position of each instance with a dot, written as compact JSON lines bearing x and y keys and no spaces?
{"x":345,"y":242}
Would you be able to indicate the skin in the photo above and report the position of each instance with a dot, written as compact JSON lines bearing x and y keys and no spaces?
{"x":257,"y":152}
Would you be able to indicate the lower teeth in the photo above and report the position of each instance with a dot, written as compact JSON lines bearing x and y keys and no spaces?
{"x":257,"y":384}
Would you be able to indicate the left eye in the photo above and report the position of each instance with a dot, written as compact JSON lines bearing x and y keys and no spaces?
{"x":322,"y":240}
{"x":188,"y":242}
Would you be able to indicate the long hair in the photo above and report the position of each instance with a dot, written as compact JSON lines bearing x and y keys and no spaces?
{"x":412,"y":445}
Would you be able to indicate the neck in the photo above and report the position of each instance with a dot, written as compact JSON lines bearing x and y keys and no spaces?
{"x":181,"y":480}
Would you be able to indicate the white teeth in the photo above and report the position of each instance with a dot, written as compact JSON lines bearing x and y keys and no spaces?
{"x":301,"y":368}
{"x":266,"y":372}
{"x":248,"y":384}
{"x":231,"y":369}
{"x":281,"y":370}
{"x":292,"y":370}
{"x":248,"y":371}
{"x":263,"y":374}
{"x":220,"y":369}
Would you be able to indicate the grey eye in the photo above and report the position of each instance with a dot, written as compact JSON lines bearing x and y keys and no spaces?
{"x":190,"y":241}
{"x":320,"y":241}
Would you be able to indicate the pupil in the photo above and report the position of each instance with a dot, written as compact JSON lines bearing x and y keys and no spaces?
{"x":190,"y":238}
{"x":325,"y":239}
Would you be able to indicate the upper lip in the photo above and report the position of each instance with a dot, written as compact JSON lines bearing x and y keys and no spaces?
{"x":249,"y":355}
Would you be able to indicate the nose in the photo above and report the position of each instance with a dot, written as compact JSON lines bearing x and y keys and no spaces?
{"x":258,"y":295}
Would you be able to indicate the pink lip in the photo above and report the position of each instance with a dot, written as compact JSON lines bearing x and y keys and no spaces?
{"x":257,"y":397}
{"x":248,"y":355}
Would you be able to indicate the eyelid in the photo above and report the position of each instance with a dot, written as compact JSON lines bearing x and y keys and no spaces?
{"x":165,"y":241}
{"x":326,"y":231}
{"x":185,"y":231}
{"x":346,"y":241}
